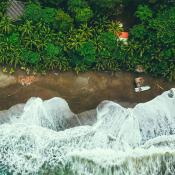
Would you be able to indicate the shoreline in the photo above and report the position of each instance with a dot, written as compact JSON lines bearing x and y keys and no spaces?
{"x":83,"y":92}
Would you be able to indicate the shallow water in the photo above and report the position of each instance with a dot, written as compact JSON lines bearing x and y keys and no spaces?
{"x":34,"y":139}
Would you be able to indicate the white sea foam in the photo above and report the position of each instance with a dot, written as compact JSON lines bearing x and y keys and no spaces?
{"x":122,"y":141}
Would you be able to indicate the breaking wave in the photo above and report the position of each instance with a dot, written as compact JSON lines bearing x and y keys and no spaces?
{"x":38,"y":138}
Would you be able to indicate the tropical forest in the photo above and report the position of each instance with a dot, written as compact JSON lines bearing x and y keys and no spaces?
{"x":87,"y":87}
{"x":83,"y":35}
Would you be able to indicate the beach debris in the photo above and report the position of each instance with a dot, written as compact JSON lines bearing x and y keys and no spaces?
{"x":4,"y":70}
{"x":56,"y":73}
{"x":8,"y":70}
{"x":140,"y":85}
{"x":139,"y":81}
{"x":139,"y":69}
{"x":143,"y":88}
{"x":160,"y":87}
{"x":26,"y":80}
{"x":111,"y":137}
{"x":11,"y":71}
{"x":171,"y":93}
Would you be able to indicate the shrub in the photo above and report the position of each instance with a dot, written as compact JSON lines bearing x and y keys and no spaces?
{"x":115,"y":27}
{"x":106,"y":57}
{"x":164,"y":26}
{"x":139,"y":31}
{"x":52,"y":2}
{"x":52,"y":50}
{"x":48,"y":15}
{"x":57,"y":63}
{"x":3,"y":7}
{"x":87,"y":52}
{"x":152,"y":42}
{"x":105,"y":7}
{"x":108,"y":40}
{"x":89,"y":42}
{"x":14,"y":39}
{"x":80,"y":10}
{"x":63,"y":21}
{"x":6,"y":25}
{"x":30,"y":58}
{"x":83,"y":15}
{"x":74,"y":4}
{"x":10,"y":52}
{"x":144,"y":13}
{"x":106,"y":64}
{"x":33,"y":12}
{"x":81,"y":55}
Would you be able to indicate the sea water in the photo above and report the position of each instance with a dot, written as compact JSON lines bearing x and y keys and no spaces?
{"x":133,"y":141}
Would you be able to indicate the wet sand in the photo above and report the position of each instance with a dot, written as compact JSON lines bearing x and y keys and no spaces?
{"x":83,"y":91}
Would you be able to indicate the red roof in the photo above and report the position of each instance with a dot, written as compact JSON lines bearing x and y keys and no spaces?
{"x":123,"y":35}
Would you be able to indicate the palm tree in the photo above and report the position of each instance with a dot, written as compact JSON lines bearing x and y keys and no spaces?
{"x":6,"y":26}
{"x":85,"y":31}
{"x":26,"y":29}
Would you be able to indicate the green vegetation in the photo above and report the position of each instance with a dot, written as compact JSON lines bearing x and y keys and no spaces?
{"x":81,"y":35}
{"x":153,"y":42}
